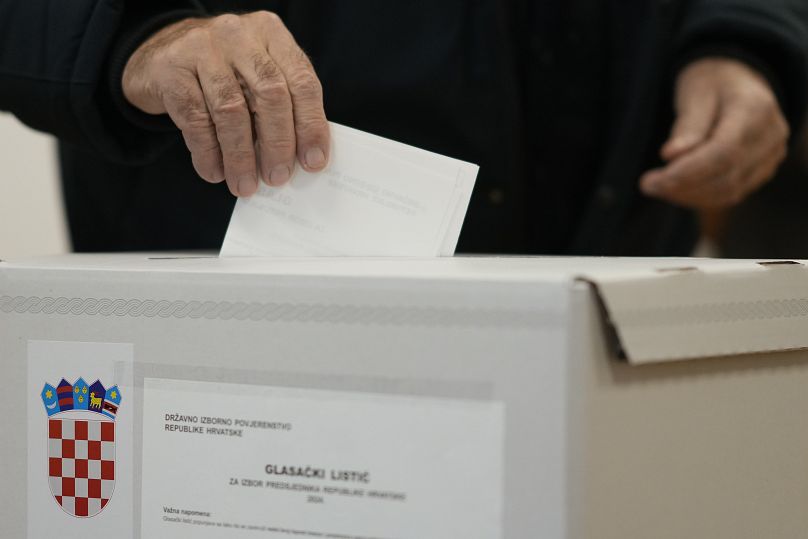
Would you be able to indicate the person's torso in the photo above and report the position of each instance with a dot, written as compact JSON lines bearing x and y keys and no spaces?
{"x":527,"y":90}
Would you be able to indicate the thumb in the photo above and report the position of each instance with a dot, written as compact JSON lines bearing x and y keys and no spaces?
{"x":697,"y":111}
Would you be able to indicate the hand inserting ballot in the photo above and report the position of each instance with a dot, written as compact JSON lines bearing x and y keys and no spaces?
{"x":243,"y":93}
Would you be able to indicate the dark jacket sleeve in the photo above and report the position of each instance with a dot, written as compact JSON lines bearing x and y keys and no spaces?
{"x":54,"y":65}
{"x":771,"y":35}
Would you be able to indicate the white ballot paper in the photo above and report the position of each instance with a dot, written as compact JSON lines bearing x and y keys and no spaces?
{"x":376,"y":198}
{"x":233,"y":460}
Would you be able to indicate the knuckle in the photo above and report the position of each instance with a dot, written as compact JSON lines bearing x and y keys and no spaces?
{"x":226,"y":22}
{"x":271,"y":90}
{"x":197,"y":121}
{"x":223,"y":82}
{"x":298,"y":59}
{"x":186,"y":105}
{"x":166,"y":61}
{"x":302,"y":57}
{"x":761,"y":104}
{"x":305,"y":85}
{"x":266,"y":17}
{"x":227,"y":95}
{"x":167,"y":56}
{"x":265,"y":68}
{"x":753,"y":106}
{"x":195,"y":37}
{"x":230,"y":106}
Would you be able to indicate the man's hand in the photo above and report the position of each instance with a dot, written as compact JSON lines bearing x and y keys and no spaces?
{"x":243,"y":93}
{"x":730,"y":137}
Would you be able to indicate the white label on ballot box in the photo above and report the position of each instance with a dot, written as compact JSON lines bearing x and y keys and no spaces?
{"x":81,"y":403}
{"x":241,"y":460}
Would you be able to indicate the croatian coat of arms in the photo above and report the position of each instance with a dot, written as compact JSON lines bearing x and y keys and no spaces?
{"x":81,"y":444}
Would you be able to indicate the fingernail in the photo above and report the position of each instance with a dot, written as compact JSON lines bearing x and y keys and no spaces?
{"x":279,"y":175}
{"x":315,"y":158}
{"x":247,"y":187}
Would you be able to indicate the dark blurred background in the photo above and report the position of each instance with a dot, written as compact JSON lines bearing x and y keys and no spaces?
{"x":773,"y":222}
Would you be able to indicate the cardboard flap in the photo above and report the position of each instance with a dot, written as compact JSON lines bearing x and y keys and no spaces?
{"x":705,"y":310}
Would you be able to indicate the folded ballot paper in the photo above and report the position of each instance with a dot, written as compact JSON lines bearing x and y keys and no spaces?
{"x":376,"y":198}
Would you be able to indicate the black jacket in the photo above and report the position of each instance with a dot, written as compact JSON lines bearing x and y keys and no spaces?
{"x":564,"y":104}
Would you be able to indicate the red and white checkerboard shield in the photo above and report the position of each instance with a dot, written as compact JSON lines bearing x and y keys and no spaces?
{"x":81,"y":464}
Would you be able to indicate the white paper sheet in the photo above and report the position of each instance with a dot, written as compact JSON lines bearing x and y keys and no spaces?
{"x":222,"y":459}
{"x":376,"y":198}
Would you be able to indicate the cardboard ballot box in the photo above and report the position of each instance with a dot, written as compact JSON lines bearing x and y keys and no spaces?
{"x":150,"y":397}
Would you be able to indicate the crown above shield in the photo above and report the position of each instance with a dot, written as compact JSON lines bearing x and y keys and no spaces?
{"x":82,"y":397}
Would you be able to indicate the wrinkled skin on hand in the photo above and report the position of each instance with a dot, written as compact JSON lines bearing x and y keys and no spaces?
{"x":243,"y":93}
{"x":729,"y":138}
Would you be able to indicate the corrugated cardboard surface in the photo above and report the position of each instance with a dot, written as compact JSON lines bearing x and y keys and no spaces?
{"x":715,"y":448}
{"x":707,"y":309}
